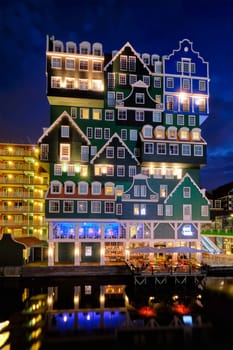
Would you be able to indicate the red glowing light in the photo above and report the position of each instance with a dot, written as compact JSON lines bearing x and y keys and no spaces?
{"x":181,"y":309}
{"x":146,"y":311}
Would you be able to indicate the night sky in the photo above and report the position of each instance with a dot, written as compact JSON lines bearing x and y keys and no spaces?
{"x":150,"y":26}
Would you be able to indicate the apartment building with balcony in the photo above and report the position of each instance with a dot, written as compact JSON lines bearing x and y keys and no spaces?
{"x":124,"y":149}
{"x":23,"y":184}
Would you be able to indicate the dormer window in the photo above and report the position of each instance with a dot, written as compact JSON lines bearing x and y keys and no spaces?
{"x":56,"y":187}
{"x":196,"y":134}
{"x":147,"y":131}
{"x":159,"y":132}
{"x":84,"y":47}
{"x":71,"y":47}
{"x":172,"y":133}
{"x":57,"y":46}
{"x":97,"y":49}
{"x":69,"y":187}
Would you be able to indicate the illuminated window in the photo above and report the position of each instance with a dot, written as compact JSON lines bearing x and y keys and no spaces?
{"x":160,"y":132}
{"x":109,"y":188}
{"x":97,"y":114}
{"x":64,"y":152}
{"x":84,"y":113}
{"x":97,"y":85}
{"x":55,"y":82}
{"x":83,"y":170}
{"x":202,"y":105}
{"x":184,"y":133}
{"x":196,"y":134}
{"x":163,"y":191}
{"x":139,"y":209}
{"x":157,"y":173}
{"x":69,"y":83}
{"x":169,"y":103}
{"x":119,"y":190}
{"x":83,"y":84}
{"x":172,"y":133}
{"x":71,"y":170}
{"x":185,"y":104}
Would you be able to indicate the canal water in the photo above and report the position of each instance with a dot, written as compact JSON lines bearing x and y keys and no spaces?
{"x":74,"y":313}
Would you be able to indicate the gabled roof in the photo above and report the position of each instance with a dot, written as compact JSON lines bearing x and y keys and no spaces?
{"x":180,"y":183}
{"x":145,"y":178}
{"x":138,"y":84}
{"x":115,"y":135}
{"x":189,"y":43}
{"x":71,"y":121}
{"x":119,"y":52}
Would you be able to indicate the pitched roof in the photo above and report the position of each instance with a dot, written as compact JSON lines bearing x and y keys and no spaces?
{"x":57,"y":121}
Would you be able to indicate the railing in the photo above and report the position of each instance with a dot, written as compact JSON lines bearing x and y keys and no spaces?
{"x":23,"y":195}
{"x":23,"y":209}
{"x":17,"y":153}
{"x":23,"y":181}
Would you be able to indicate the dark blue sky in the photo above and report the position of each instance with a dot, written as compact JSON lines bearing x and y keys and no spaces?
{"x":153,"y":26}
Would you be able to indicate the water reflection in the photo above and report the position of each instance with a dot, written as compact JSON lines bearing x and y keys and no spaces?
{"x":71,"y":314}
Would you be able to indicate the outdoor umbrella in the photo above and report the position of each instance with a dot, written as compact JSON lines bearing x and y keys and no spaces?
{"x":144,"y":249}
{"x":182,"y":250}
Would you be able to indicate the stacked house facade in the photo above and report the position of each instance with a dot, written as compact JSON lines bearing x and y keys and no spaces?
{"x":124,"y":149}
